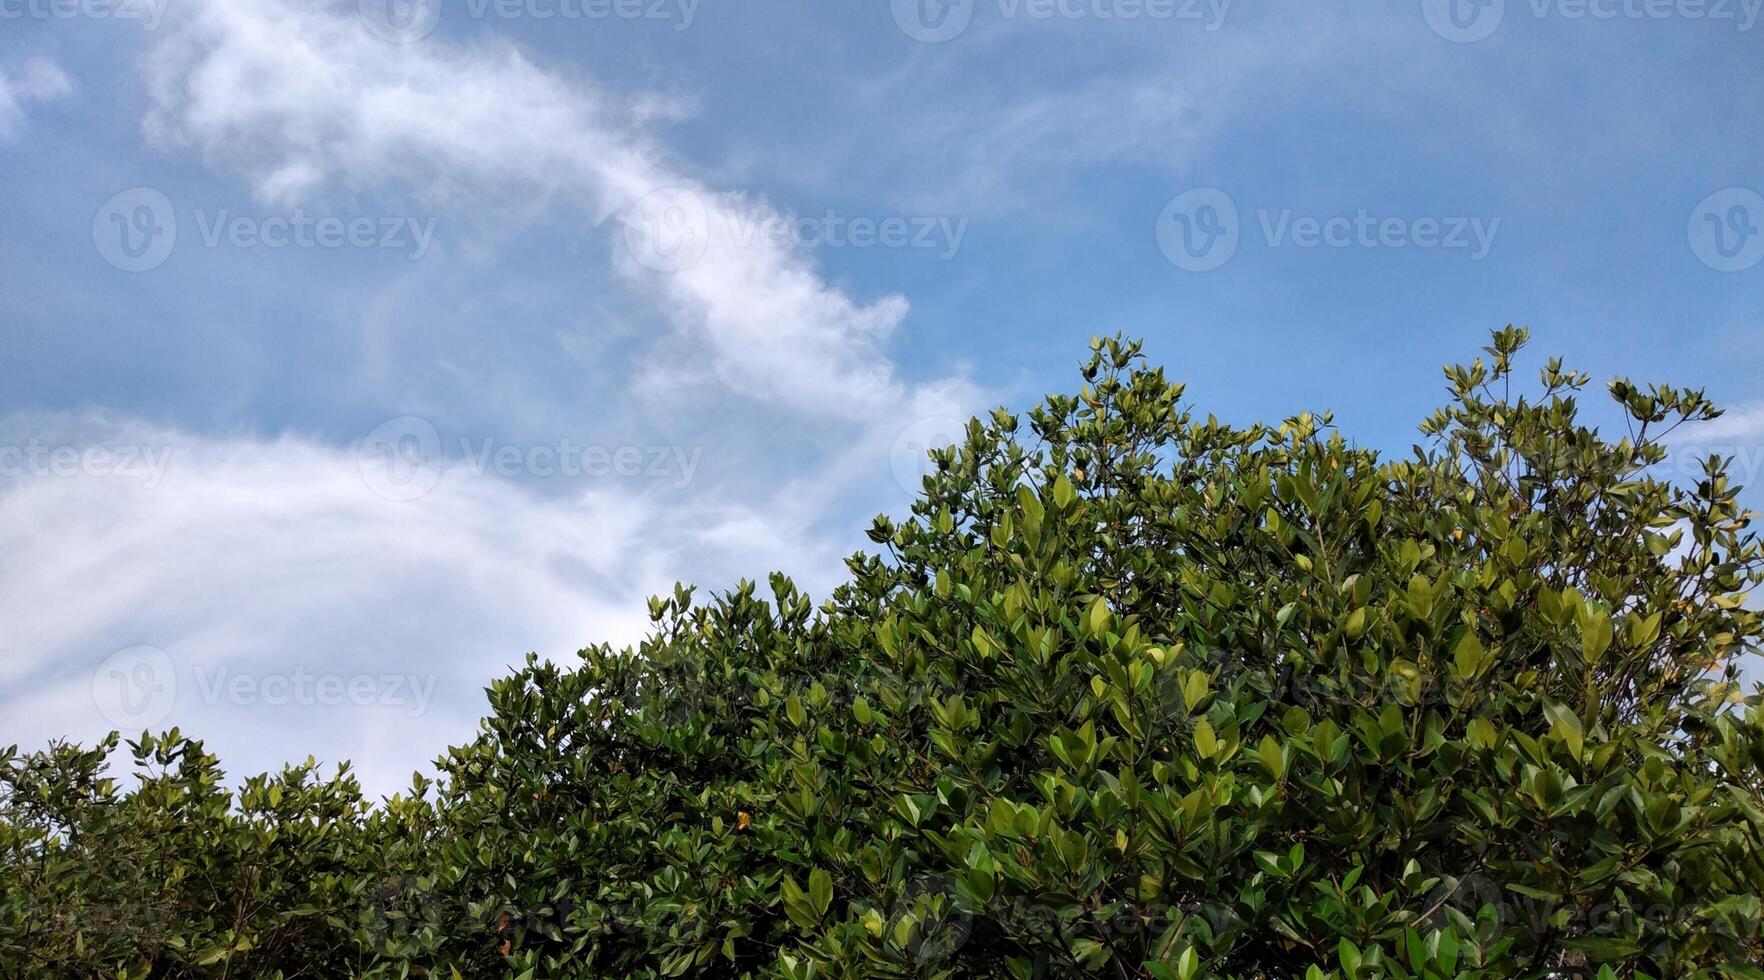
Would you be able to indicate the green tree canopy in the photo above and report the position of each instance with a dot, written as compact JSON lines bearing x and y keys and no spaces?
{"x":1132,"y":692}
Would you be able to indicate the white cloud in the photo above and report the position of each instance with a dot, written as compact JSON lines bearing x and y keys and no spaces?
{"x":1737,"y":436}
{"x":272,"y":559}
{"x":1739,"y":425}
{"x":266,"y":557}
{"x":275,"y":559}
{"x":39,"y":80}
{"x":303,"y":98}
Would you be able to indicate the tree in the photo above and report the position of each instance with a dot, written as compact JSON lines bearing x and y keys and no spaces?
{"x":1130,"y":693}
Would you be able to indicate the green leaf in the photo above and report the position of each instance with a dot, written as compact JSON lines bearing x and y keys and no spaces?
{"x":1565,"y":727}
{"x":1272,"y":757}
{"x":1356,"y":623}
{"x":820,"y":890}
{"x":1098,"y":617}
{"x":1595,"y":635}
{"x":1206,"y":742}
{"x":1469,"y":656}
{"x":1420,"y":597}
{"x":1063,"y":493}
{"x":1194,"y":688}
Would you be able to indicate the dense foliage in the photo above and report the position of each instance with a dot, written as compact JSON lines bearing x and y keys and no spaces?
{"x":1132,"y":693}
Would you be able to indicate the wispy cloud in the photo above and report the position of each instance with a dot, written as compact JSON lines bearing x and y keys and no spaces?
{"x":37,"y":80}
{"x":272,"y":559}
{"x":303,"y":98}
{"x":260,"y":557}
{"x":1741,"y":424}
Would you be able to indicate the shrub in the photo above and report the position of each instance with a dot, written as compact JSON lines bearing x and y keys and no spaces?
{"x":1131,"y":693}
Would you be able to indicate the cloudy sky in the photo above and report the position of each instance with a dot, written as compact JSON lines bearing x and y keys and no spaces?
{"x":351,"y":350}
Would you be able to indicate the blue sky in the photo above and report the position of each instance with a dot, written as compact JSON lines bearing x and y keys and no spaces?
{"x":483,"y":322}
